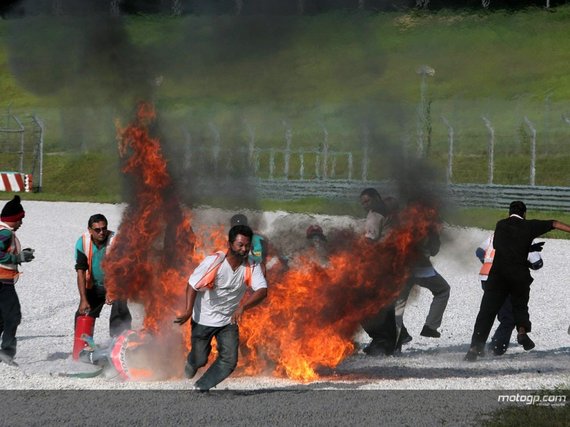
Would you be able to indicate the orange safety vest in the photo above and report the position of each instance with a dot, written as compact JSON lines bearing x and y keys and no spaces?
{"x":208,"y":279}
{"x":488,"y":259}
{"x":88,"y":251}
{"x":10,"y":271}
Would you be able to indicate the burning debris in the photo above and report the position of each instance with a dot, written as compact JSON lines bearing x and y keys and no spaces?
{"x":312,"y":312}
{"x":152,"y":253}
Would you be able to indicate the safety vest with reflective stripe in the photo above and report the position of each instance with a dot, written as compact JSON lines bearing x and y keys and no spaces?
{"x":488,"y":259}
{"x":208,"y":279}
{"x":88,"y":251}
{"x":9,"y":272}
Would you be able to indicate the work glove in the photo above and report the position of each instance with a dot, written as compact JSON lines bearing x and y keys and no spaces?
{"x":536,"y":247}
{"x":26,"y":255}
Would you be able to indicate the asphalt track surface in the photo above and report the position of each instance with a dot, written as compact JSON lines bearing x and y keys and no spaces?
{"x":276,"y":407}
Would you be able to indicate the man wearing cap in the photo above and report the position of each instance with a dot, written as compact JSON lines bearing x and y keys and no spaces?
{"x":11,"y":256}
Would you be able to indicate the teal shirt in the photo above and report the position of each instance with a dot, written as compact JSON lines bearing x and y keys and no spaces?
{"x":257,"y":254}
{"x":97,"y":273}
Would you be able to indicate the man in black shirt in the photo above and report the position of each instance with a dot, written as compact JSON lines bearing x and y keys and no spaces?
{"x":510,"y":275}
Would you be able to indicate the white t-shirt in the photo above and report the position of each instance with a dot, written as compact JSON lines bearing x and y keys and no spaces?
{"x":374,"y":226}
{"x":215,"y":306}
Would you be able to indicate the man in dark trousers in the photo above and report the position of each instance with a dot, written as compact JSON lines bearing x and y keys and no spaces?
{"x":215,"y":301}
{"x":90,"y":250}
{"x":502,"y":336}
{"x":11,"y":256}
{"x":509,"y":275}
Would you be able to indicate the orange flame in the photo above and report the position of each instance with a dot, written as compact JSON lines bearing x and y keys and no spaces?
{"x":151,"y":256}
{"x":312,"y":312}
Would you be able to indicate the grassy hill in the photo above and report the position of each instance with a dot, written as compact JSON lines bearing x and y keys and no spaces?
{"x":346,"y":77}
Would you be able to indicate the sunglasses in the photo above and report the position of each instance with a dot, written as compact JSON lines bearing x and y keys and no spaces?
{"x":99,"y":229}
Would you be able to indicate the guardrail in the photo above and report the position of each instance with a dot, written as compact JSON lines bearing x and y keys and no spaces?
{"x":490,"y":196}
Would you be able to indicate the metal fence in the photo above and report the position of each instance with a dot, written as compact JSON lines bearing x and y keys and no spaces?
{"x":21,"y":145}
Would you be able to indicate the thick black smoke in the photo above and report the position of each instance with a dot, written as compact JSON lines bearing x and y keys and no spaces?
{"x":86,"y":61}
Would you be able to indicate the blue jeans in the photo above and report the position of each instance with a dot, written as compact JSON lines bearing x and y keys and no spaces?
{"x":227,"y":338}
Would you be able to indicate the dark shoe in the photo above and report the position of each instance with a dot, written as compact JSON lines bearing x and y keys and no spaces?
{"x":525,"y":341}
{"x":429,"y":332}
{"x":473,"y":354}
{"x":405,"y":337}
{"x":189,"y":371}
{"x":376,"y":348}
{"x":498,"y":348}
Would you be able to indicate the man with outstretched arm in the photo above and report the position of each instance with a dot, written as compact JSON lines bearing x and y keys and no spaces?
{"x":509,"y":275}
{"x":214,"y":302}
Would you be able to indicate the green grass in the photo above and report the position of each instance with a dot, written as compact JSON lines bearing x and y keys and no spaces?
{"x":332,"y":72}
{"x":335,"y":70}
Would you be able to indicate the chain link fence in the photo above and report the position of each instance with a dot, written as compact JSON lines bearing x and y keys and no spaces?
{"x":21,"y":145}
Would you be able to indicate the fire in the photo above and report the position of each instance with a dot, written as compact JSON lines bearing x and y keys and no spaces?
{"x":151,"y":255}
{"x":312,"y":312}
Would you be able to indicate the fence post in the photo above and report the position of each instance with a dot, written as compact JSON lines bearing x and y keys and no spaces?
{"x":365,"y":141}
{"x":547,"y":116}
{"x":22,"y":131}
{"x":490,"y":150}
{"x":251,"y":145}
{"x":271,"y":163}
{"x":325,"y":150}
{"x":301,"y":166}
{"x":449,"y":174}
{"x":288,"y":139}
{"x":216,"y":147}
{"x":350,"y":165}
{"x":424,"y":119}
{"x":39,"y":123}
{"x":318,"y":164}
{"x":532,"y":150}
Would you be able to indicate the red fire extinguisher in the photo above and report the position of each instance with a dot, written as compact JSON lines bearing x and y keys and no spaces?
{"x":84,"y":324}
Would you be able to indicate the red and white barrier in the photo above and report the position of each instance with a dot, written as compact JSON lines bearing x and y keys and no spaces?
{"x":15,"y":181}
